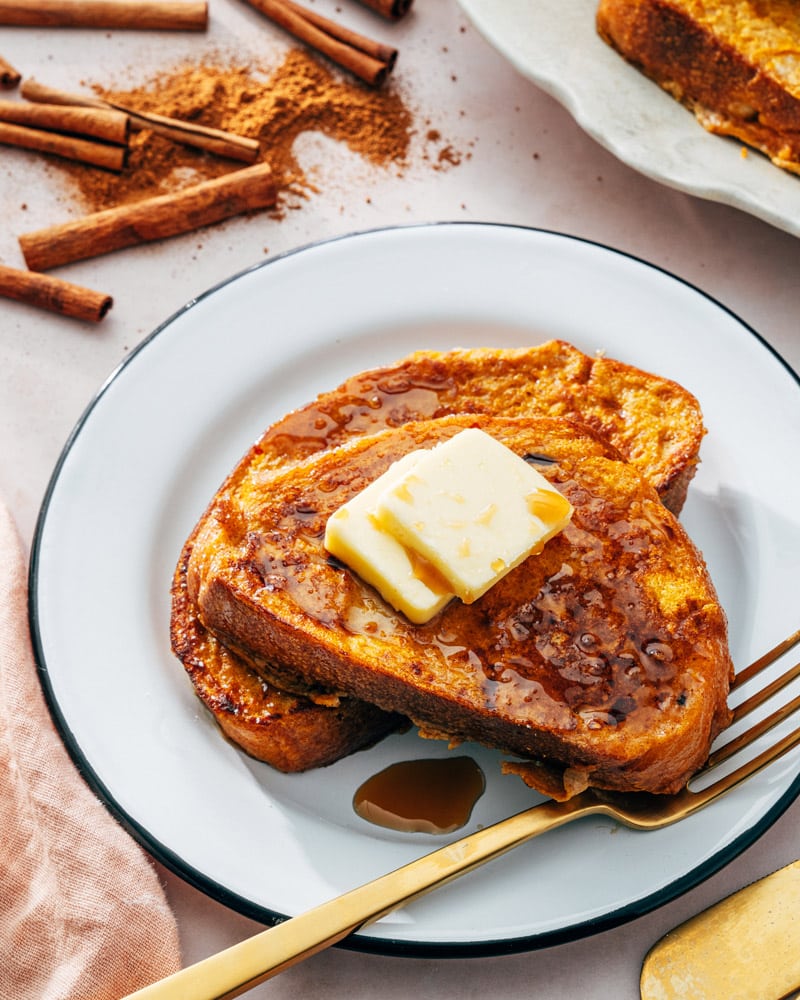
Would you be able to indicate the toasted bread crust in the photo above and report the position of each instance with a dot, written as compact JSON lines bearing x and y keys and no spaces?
{"x":606,"y":655}
{"x":655,"y":423}
{"x":733,"y":63}
{"x":290,"y":732}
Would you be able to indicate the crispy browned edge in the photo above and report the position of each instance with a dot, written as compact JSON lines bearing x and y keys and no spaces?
{"x":656,"y":423}
{"x":290,"y":732}
{"x":727,"y":93}
{"x":284,"y":634}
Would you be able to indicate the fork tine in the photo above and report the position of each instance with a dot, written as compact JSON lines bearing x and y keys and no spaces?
{"x":744,"y":739}
{"x":743,"y":676}
{"x":759,"y":697}
{"x":744,"y":771}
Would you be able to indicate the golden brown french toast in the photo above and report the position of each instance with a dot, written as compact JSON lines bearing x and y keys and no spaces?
{"x":734,"y":63}
{"x":603,"y":659}
{"x":291,"y":733}
{"x":657,"y":422}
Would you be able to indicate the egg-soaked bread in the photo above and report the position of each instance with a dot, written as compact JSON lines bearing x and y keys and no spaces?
{"x":288,"y":731}
{"x":604,"y":659}
{"x":734,"y":63}
{"x":656,"y":422}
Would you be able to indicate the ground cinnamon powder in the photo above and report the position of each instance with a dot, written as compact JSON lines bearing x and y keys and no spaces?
{"x":300,"y":95}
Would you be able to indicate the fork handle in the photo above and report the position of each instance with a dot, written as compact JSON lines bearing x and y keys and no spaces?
{"x":239,"y":968}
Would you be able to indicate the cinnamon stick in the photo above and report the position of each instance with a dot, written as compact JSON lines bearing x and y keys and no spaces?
{"x":98,"y":154}
{"x":152,"y":219}
{"x":54,"y":294}
{"x":365,"y":58}
{"x":393,"y":9}
{"x":377,"y":50}
{"x":212,"y":140}
{"x":161,"y":15}
{"x":9,"y":77}
{"x":104,"y":124}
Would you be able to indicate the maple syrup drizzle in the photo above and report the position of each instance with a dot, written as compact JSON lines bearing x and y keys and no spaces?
{"x":422,"y":796}
{"x":575,"y":650}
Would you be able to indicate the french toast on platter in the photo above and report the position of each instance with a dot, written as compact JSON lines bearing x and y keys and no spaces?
{"x":656,"y":421}
{"x":601,"y":661}
{"x":734,"y":63}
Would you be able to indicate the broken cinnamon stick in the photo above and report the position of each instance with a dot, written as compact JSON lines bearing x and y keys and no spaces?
{"x":152,"y":219}
{"x":161,"y":15}
{"x":54,"y":294}
{"x":9,"y":77}
{"x":104,"y":124}
{"x":212,"y":140}
{"x":98,"y":154}
{"x":393,"y":9}
{"x":365,"y":58}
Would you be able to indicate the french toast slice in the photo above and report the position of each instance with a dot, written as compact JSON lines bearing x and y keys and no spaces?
{"x":734,"y":63}
{"x":290,"y":732}
{"x":603,"y":660}
{"x":658,"y":423}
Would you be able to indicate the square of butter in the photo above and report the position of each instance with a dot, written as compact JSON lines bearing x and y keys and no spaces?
{"x":474,"y":509}
{"x":401,"y":577}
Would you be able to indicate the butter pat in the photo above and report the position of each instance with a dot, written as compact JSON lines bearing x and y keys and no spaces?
{"x":402,"y":577}
{"x":473,"y":509}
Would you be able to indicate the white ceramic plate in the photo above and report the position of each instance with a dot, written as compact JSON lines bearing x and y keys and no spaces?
{"x":159,"y":437}
{"x":554,"y":43}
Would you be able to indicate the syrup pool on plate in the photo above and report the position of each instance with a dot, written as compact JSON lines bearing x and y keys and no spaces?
{"x":422,"y":796}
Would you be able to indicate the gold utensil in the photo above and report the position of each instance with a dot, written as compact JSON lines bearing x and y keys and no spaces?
{"x":746,"y":947}
{"x":243,"y":966}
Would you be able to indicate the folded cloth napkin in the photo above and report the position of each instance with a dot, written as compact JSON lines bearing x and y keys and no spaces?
{"x":82,"y":913}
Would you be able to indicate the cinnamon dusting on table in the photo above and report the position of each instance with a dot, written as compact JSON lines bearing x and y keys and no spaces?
{"x":445,"y":155}
{"x":300,"y":95}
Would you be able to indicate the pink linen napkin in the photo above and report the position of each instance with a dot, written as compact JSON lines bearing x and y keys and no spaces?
{"x":82,"y":913}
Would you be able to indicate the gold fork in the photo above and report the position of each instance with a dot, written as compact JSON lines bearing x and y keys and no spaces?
{"x":243,"y":966}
